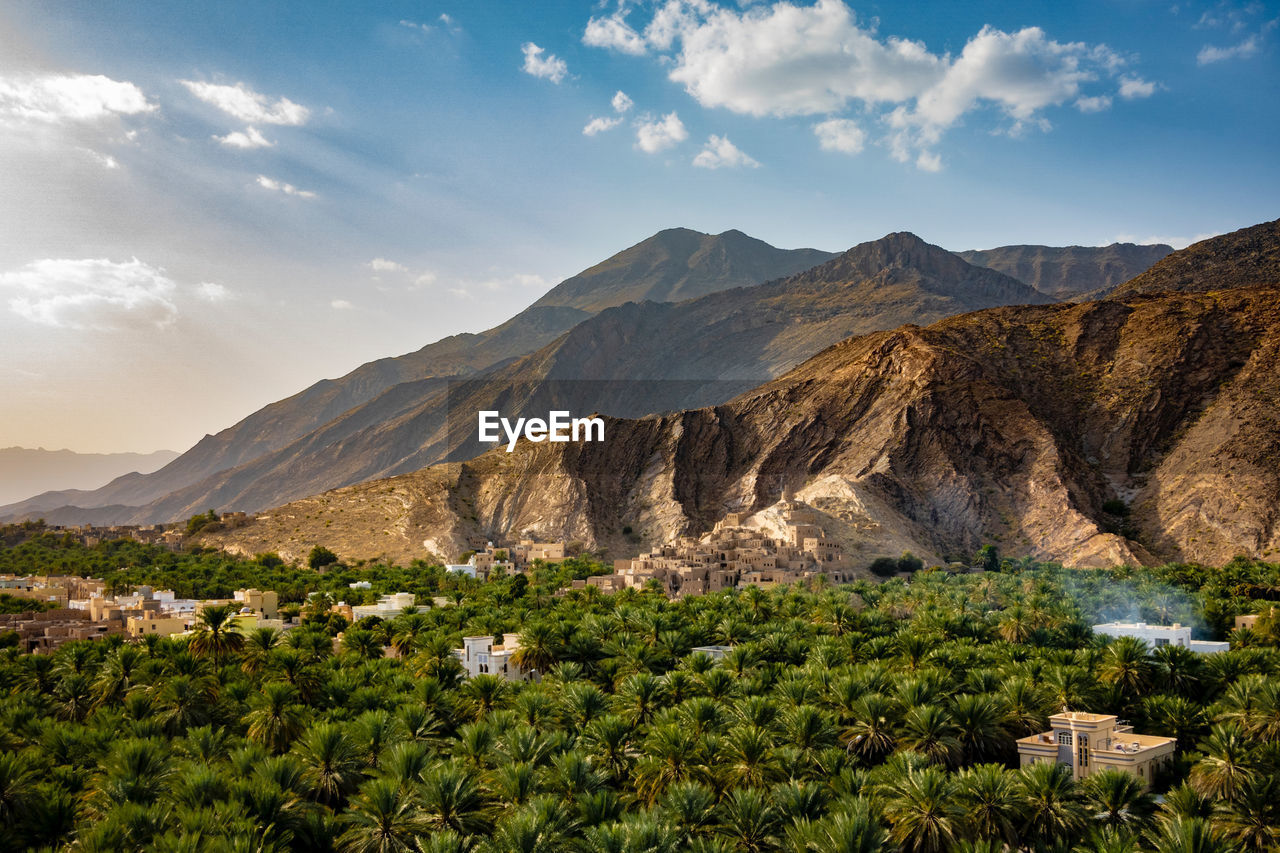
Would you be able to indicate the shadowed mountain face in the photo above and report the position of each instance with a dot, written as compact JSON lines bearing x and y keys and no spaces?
{"x":24,"y":471}
{"x":1072,"y":272}
{"x":631,"y":360}
{"x":1016,"y":425}
{"x":673,"y":264}
{"x":1249,"y":257}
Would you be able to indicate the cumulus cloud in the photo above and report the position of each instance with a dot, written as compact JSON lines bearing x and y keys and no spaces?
{"x":212,"y":292}
{"x":548,"y":67}
{"x":840,"y":134}
{"x":250,"y":137}
{"x":92,"y":293}
{"x":281,"y":187}
{"x":720,"y":153}
{"x":58,"y":98}
{"x":247,"y":105}
{"x":1136,"y":87}
{"x":1094,"y":104}
{"x":341,"y":305}
{"x":600,"y":125}
{"x":614,"y":32}
{"x":785,"y":59}
{"x":384,"y":265}
{"x":622,"y":102}
{"x":658,"y":135}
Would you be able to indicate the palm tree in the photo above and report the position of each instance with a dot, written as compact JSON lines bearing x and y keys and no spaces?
{"x":853,"y":828}
{"x":1252,"y":820}
{"x":1176,"y":717}
{"x":928,"y":730}
{"x":923,"y":813}
{"x":383,"y":818}
{"x":671,"y":754}
{"x":1178,"y":670}
{"x":17,"y":784}
{"x":485,"y":692}
{"x":1187,"y":835}
{"x":184,"y":702}
{"x":257,"y":649}
{"x":362,"y":644}
{"x":74,"y":696}
{"x":990,"y":800}
{"x":978,"y":720}
{"x":1118,"y":799}
{"x":640,"y":696}
{"x":750,"y":820}
{"x":539,"y":647}
{"x":748,"y":758}
{"x":1053,"y":809}
{"x":452,"y":799}
{"x":608,"y":739}
{"x":277,"y":716}
{"x":1227,"y":765}
{"x":216,"y":635}
{"x":691,"y":808}
{"x":871,"y":735}
{"x":1126,"y":665}
{"x":331,"y":763}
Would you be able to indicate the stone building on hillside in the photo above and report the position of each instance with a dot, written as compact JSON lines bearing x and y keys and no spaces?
{"x":479,"y":656}
{"x":733,"y":555}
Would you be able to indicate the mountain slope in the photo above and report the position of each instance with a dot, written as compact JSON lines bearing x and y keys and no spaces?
{"x":24,"y":471}
{"x":627,"y":361}
{"x":1013,"y":425}
{"x":673,"y":263}
{"x":1245,"y":258}
{"x":1070,"y":272}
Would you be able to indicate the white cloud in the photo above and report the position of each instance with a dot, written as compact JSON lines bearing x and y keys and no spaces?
{"x":600,"y":125}
{"x":212,"y":292}
{"x":280,"y":186}
{"x":784,"y":59}
{"x":106,"y":161}
{"x":840,"y":134}
{"x":247,"y":105}
{"x":250,"y":137}
{"x":1210,"y":54}
{"x":1094,"y":104}
{"x":614,"y":32}
{"x":929,"y":161}
{"x":93,"y":293}
{"x":659,"y":135}
{"x":69,"y":97}
{"x":341,"y":305}
{"x":384,"y":265}
{"x":720,"y":153}
{"x":414,"y":25}
{"x":549,"y":67}
{"x":1136,"y":87}
{"x":622,"y":102}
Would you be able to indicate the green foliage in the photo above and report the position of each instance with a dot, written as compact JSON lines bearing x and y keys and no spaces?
{"x":320,"y":557}
{"x":870,"y":717}
{"x":201,"y":523}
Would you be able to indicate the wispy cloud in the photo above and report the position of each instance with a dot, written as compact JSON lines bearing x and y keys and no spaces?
{"x":840,"y":134}
{"x":280,"y":186}
{"x":341,"y":305}
{"x":250,"y":137}
{"x":1210,"y":54}
{"x":247,"y":105}
{"x":600,"y":125}
{"x":548,"y":67}
{"x":385,"y":265}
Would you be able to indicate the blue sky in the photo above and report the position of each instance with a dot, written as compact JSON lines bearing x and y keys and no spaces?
{"x":210,"y":206}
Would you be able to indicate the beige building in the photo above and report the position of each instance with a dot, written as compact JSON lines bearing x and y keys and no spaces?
{"x":265,"y":603}
{"x":156,"y":624}
{"x":1090,"y":743}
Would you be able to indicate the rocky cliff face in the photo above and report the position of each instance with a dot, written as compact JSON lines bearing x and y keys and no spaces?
{"x":1246,"y":258}
{"x":1071,"y":272}
{"x":631,"y":360}
{"x":1020,"y":426}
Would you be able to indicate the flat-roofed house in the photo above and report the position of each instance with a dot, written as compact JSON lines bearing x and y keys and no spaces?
{"x":1091,"y":743}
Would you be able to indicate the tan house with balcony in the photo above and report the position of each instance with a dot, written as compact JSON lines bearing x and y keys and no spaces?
{"x":1091,"y":743}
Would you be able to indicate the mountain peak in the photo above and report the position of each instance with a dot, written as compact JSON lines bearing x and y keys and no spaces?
{"x":1244,"y":258}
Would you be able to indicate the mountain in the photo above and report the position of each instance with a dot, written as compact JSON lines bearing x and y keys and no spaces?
{"x":1132,"y":430}
{"x":24,"y":471}
{"x":1245,"y":258}
{"x":1071,"y":272}
{"x":673,"y":263}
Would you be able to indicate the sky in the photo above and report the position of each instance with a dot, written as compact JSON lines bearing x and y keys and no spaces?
{"x":208,"y":207}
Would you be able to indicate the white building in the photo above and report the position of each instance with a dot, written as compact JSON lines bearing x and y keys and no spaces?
{"x":1156,"y":636}
{"x":480,"y":656}
{"x":388,"y":607}
{"x":468,"y":569}
{"x":713,"y":652}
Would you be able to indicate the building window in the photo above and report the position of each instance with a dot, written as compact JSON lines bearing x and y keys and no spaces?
{"x":1162,"y":641}
{"x":1064,"y":738}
